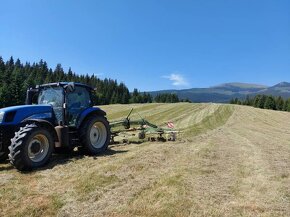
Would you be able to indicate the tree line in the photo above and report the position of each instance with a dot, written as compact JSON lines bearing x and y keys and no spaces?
{"x":264,"y":102}
{"x":16,"y":77}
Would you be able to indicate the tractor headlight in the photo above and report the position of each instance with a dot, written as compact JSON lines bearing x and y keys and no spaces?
{"x":1,"y":116}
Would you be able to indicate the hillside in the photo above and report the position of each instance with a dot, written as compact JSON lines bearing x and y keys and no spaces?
{"x":225,"y":92}
{"x":228,"y":161}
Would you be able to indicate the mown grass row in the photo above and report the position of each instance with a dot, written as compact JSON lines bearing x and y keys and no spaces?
{"x":210,"y":122}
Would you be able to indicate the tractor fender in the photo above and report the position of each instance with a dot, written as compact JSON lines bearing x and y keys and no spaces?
{"x":89,"y":111}
{"x":43,"y":123}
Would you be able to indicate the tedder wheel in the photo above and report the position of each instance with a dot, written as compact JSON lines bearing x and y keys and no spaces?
{"x":95,"y":135}
{"x":141,"y":135}
{"x":31,"y":147}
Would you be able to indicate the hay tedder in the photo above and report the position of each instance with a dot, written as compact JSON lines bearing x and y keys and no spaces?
{"x":59,"y":117}
{"x":127,"y":128}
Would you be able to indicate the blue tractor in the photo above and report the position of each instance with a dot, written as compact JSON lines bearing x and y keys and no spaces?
{"x":57,"y":117}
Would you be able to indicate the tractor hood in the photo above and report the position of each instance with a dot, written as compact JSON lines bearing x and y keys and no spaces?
{"x":16,"y":114}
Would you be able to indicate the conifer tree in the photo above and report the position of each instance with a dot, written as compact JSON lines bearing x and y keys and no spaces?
{"x":279,"y":103}
{"x":286,"y":106}
{"x":270,"y":103}
{"x":16,"y":77}
{"x":261,"y":102}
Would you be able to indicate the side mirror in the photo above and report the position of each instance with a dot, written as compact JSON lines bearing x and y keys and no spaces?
{"x":31,"y":96}
{"x":70,"y":87}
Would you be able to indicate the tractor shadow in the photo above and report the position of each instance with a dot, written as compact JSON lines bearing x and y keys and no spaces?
{"x":61,"y":159}
{"x":125,"y":142}
{"x":5,"y":166}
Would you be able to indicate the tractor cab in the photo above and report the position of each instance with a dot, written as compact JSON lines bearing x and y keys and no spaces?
{"x":68,"y":100}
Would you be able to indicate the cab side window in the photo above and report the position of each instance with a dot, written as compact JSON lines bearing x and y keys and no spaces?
{"x":77,"y":101}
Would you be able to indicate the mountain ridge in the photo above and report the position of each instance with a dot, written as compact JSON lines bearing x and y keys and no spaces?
{"x":223,"y":93}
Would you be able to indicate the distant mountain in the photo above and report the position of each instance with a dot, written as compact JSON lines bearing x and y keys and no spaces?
{"x":281,"y":89}
{"x":225,"y":92}
{"x":242,"y":85}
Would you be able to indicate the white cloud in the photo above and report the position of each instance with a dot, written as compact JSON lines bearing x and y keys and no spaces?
{"x":177,"y":79}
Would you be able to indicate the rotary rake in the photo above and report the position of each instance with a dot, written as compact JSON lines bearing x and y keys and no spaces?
{"x":128,"y":128}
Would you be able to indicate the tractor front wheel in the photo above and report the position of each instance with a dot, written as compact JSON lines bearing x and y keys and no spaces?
{"x":3,"y":153}
{"x":31,"y":147}
{"x":95,"y":135}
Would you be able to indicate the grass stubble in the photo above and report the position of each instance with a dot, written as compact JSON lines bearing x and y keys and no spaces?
{"x":228,"y":161}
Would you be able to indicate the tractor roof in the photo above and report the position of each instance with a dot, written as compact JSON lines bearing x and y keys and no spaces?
{"x":57,"y":84}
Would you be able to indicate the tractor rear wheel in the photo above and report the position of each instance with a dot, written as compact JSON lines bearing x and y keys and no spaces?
{"x":95,"y":135}
{"x":31,"y":147}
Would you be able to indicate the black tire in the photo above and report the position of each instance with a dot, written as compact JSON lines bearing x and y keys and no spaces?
{"x":141,"y":135}
{"x":95,"y":135}
{"x":31,"y":147}
{"x":3,"y":153}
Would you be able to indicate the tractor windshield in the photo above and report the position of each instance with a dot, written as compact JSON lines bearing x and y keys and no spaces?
{"x":54,"y":97}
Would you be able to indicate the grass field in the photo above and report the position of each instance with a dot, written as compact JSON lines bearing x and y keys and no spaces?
{"x":228,"y":161}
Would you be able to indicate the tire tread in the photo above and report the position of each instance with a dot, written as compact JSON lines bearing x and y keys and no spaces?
{"x":16,"y":148}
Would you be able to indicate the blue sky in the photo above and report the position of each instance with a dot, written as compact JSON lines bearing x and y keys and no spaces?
{"x":153,"y":44}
